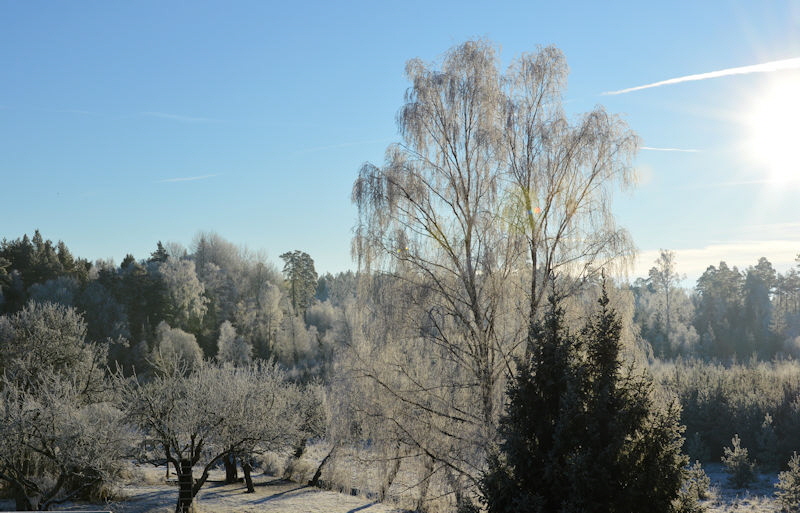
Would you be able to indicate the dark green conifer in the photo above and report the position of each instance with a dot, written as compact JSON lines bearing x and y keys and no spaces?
{"x":582,"y":431}
{"x":159,"y":255}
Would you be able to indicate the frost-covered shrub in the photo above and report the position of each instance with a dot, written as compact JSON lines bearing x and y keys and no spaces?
{"x":718,"y":400}
{"x":741,"y":470}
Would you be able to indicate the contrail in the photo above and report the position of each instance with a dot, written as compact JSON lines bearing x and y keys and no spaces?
{"x":185,"y":179}
{"x":178,"y":117}
{"x":681,"y":150}
{"x":766,"y":67}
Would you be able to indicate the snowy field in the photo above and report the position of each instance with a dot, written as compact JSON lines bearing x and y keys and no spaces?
{"x":146,"y":491}
{"x":758,"y":498}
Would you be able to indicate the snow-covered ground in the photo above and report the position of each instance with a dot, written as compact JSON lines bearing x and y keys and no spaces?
{"x":758,"y":498}
{"x":147,"y":492}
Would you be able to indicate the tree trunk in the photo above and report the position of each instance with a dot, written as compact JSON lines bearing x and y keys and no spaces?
{"x":422,"y":505}
{"x":21,"y":500}
{"x":185,"y":487}
{"x":298,"y":453}
{"x":231,"y":472}
{"x":248,"y":479}
{"x":390,"y":476}
{"x":166,"y":453}
{"x":301,"y":449}
{"x":315,"y":480}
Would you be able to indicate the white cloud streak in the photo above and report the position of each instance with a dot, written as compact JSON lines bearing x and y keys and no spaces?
{"x":186,"y":179}
{"x":342,"y":145}
{"x":766,"y":67}
{"x":679,"y":150}
{"x":76,"y":111}
{"x":178,"y":117}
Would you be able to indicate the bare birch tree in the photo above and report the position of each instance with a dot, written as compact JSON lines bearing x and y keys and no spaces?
{"x":491,"y":189}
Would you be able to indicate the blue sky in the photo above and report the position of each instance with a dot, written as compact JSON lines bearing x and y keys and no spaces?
{"x":126,"y":123}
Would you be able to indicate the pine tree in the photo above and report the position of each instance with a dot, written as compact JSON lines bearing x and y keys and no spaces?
{"x":582,"y":431}
{"x":741,"y":470}
{"x":301,"y":278}
{"x":788,"y":486}
{"x":159,"y":255}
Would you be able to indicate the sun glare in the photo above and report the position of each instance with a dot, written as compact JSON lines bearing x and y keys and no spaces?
{"x":774,"y":122}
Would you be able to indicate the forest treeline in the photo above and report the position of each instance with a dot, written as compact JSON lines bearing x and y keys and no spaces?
{"x":728,"y":315}
{"x":296,"y":316}
{"x":217,"y":297}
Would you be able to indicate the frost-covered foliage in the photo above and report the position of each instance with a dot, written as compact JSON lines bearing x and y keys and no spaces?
{"x":199,"y":417}
{"x":232,"y":348}
{"x":788,"y":486}
{"x":175,"y":346}
{"x":258,"y":318}
{"x":60,"y":435}
{"x":187,"y":302}
{"x":55,"y":443}
{"x":741,"y":470}
{"x":61,"y":290}
{"x":295,"y":343}
{"x":43,"y":337}
{"x":680,"y":337}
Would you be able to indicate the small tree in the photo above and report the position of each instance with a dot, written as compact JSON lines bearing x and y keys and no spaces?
{"x":788,"y":486}
{"x":199,"y":418}
{"x":60,"y":437}
{"x":741,"y":470}
{"x":581,"y":431}
{"x":55,"y":443}
{"x":175,"y":348}
{"x":232,"y":348}
{"x":694,"y":490}
{"x":767,"y":444}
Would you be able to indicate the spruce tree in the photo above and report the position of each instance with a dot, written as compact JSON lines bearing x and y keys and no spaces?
{"x":528,"y":474}
{"x":582,"y":431}
{"x":160,"y":255}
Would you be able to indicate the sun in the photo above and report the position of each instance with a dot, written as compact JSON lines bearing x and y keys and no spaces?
{"x":774,"y":124}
